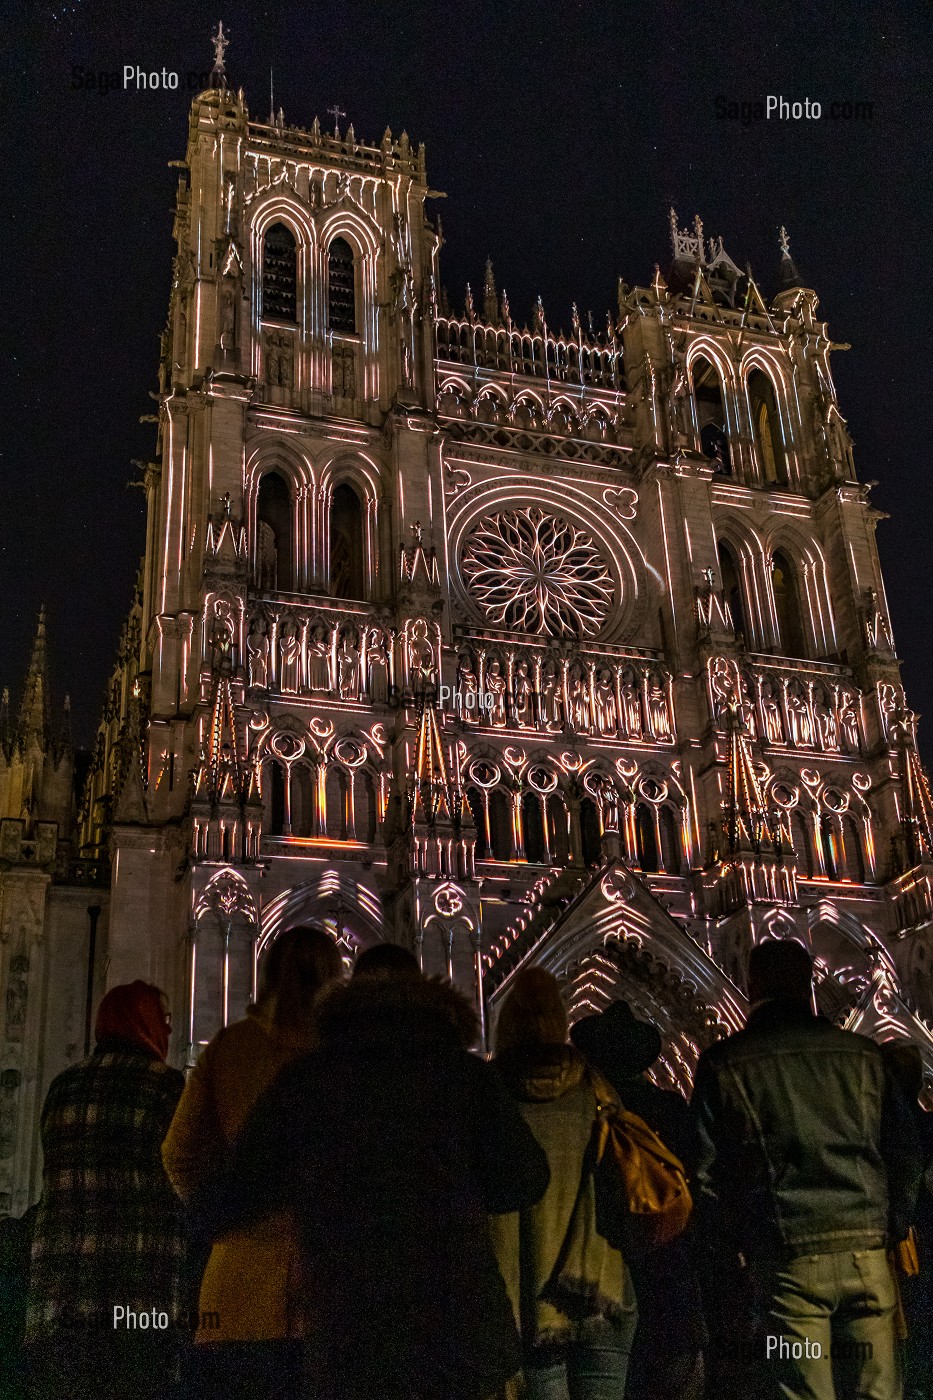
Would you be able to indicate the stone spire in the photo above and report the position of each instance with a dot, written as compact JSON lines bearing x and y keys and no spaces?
{"x":490,"y":299}
{"x":788,"y":276}
{"x":35,"y":712}
{"x":219,"y":70}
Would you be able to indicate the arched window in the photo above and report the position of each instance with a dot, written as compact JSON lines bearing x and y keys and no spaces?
{"x":787,"y":606}
{"x":275,"y":775}
{"x":711,"y":414}
{"x":829,"y":839}
{"x":533,"y":826}
{"x":558,"y":834}
{"x":803,"y":846}
{"x":855,"y":859}
{"x":279,"y":278}
{"x":670,"y":841}
{"x":346,"y":544}
{"x":500,"y":825}
{"x":766,"y":423}
{"x":364,"y":807}
{"x":646,"y":837}
{"x":732,"y":588}
{"x":590,"y":839}
{"x":478,"y":810}
{"x":341,"y":288}
{"x":336,"y":797}
{"x":302,"y":800}
{"x":274,"y":552}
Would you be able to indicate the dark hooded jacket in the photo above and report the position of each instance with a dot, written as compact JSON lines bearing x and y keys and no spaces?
{"x":390,"y":1143}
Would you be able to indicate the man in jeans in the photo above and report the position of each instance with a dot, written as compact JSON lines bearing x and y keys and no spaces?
{"x":809,"y":1165}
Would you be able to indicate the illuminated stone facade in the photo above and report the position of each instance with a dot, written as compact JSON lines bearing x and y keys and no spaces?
{"x":506,"y":643}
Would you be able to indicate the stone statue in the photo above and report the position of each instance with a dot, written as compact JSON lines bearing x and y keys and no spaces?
{"x":801,"y":725}
{"x":496,"y":687}
{"x":552,"y":700}
{"x":848,"y":722}
{"x":579,"y":700}
{"x":16,"y":994}
{"x":771,"y":714}
{"x":659,"y":715}
{"x":319,"y":660}
{"x":604,"y":693}
{"x":289,"y":657}
{"x":348,"y":666}
{"x":523,"y":696}
{"x":631,"y":705}
{"x":377,"y":666}
{"x":422,"y":672}
{"x":257,"y":647}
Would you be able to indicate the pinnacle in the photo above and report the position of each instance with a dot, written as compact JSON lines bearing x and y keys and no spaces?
{"x":34,"y":713}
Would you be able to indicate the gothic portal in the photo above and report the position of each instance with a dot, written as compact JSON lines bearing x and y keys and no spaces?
{"x":504,"y":642}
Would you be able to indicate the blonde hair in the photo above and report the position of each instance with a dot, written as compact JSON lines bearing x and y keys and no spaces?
{"x":533,"y":1013}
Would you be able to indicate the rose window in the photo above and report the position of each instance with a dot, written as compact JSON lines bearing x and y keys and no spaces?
{"x":535,"y":572}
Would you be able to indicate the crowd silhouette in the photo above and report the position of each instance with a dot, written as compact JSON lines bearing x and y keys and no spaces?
{"x":345,"y":1200}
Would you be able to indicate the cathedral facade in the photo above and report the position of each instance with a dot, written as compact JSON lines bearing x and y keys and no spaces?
{"x":503,"y":642}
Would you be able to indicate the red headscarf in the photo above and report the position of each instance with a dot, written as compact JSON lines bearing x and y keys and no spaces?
{"x":134,"y":1012}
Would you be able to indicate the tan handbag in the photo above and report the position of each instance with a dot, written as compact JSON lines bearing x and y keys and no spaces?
{"x":642,"y":1197}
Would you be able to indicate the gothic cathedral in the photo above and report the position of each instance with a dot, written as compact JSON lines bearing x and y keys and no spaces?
{"x":503,"y":642}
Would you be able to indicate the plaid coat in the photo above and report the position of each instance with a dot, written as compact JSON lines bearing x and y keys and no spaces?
{"x":109,"y":1228}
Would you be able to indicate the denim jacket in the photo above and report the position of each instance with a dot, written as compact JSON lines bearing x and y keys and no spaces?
{"x":804,"y":1144}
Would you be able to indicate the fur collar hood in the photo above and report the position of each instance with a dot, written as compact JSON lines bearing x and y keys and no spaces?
{"x":395,"y":1010}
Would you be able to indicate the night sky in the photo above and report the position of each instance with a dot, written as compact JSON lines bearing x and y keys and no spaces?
{"x":562,"y":133}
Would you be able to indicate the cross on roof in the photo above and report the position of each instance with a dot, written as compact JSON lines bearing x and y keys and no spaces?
{"x":336,"y":112}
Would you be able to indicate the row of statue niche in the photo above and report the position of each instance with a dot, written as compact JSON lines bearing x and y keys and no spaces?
{"x":298,"y":655}
{"x":785,"y":709}
{"x":551,"y":694}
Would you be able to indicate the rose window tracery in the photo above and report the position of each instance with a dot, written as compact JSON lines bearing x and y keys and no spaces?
{"x":537,"y":573}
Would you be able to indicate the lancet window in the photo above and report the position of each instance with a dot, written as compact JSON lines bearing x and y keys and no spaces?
{"x":732,"y":588}
{"x":791,"y":636}
{"x":347,"y":574}
{"x":767,"y":428}
{"x":341,"y":288}
{"x":279,"y":274}
{"x":275,"y":569}
{"x":711,"y":414}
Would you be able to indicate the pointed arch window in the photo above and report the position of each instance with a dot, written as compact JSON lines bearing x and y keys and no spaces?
{"x":558,"y":834}
{"x":275,"y":554}
{"x":533,"y":827}
{"x":346,"y":544}
{"x":278,"y":813}
{"x":341,"y":288}
{"x":646,"y":836}
{"x":791,"y":639}
{"x":829,"y":839}
{"x":732,"y":588}
{"x":500,"y":825}
{"x":711,"y":414}
{"x":803,"y":846}
{"x":590,"y":836}
{"x":279,"y":274}
{"x":855,"y":859}
{"x":478,"y":810}
{"x":766,"y":423}
{"x":670,"y":841}
{"x":302,"y":800}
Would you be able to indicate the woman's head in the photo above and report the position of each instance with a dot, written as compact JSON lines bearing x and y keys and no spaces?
{"x":533,"y":1013}
{"x":135,"y":1013}
{"x":300,"y":962}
